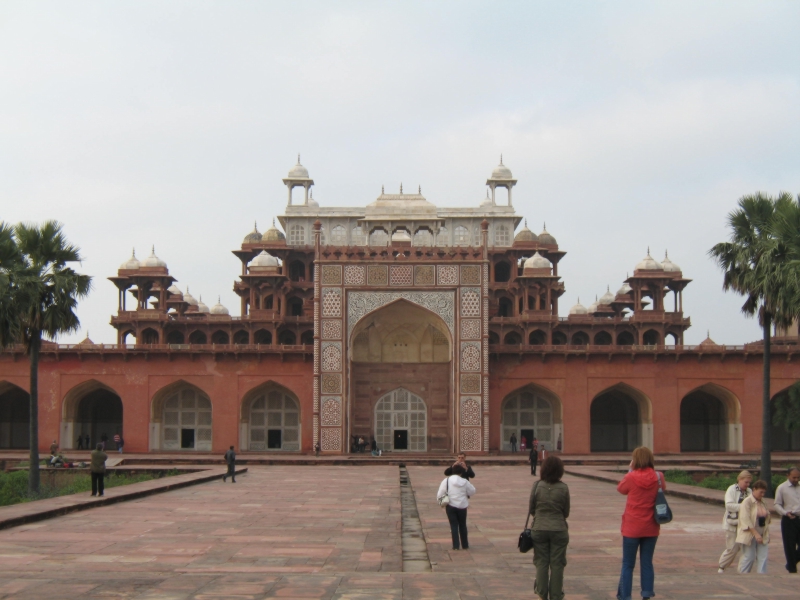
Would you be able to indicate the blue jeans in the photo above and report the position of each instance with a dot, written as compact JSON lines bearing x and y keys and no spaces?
{"x":629,"y":548}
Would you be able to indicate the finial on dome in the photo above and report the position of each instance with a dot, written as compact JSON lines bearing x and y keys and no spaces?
{"x":666,"y":253}
{"x":298,"y":158}
{"x":133,"y":252}
{"x":219,"y":299}
{"x":708,"y":333}
{"x":544,"y":226}
{"x":419,"y":191}
{"x":648,"y":251}
{"x":401,"y":187}
{"x":526,"y":218}
{"x":255,"y":224}
{"x":382,"y":192}
{"x":608,"y":288}
{"x":501,"y":159}
{"x":153,"y":248}
{"x":273,"y":221}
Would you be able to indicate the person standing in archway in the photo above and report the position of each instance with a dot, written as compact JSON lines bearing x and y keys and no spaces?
{"x":523,"y":443}
{"x":513,"y":441}
{"x":533,"y":456}
{"x":80,"y":441}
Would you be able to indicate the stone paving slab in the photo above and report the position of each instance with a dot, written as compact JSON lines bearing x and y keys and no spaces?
{"x":334,"y":533}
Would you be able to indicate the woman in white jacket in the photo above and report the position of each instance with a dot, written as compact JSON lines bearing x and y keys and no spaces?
{"x":459,"y":490}
{"x":733,"y":501}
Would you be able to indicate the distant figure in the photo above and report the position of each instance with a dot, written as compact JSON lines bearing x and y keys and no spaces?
{"x":513,"y":441}
{"x":80,"y":442}
{"x":104,"y":441}
{"x":523,"y":443}
{"x":533,"y":457}
{"x":230,"y":459}
{"x":117,"y":438}
{"x":753,"y":530}
{"x":461,"y":461}
{"x":558,"y":443}
{"x":53,"y":447}
{"x":373,"y":445}
{"x":316,"y":450}
{"x":98,"y":469}
{"x":734,"y":496}
{"x":120,"y":442}
{"x":362,"y":443}
{"x":787,"y":505}
{"x":86,"y":442}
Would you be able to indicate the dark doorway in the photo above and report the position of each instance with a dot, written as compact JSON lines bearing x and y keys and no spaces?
{"x":502,"y":272}
{"x":99,"y":413}
{"x":187,"y":438}
{"x":400,"y":439}
{"x":505,"y":308}
{"x":703,"y":423}
{"x":274,"y":439}
{"x":528,"y":435}
{"x":14,"y":418}
{"x":614,"y":423}
{"x":782,"y":440}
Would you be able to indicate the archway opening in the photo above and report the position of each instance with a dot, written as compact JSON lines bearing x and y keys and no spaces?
{"x":616,"y":422}
{"x":537,"y":338}
{"x":98,"y":417}
{"x":295,"y":307}
{"x":528,"y":413}
{"x":186,"y":419}
{"x":197,"y":337}
{"x":14,"y":417}
{"x":651,"y":338}
{"x":175,"y":337}
{"x":297,"y":270}
{"x":580,"y":338}
{"x":401,"y":422}
{"x":602,"y":338}
{"x":219,"y":337}
{"x":149,"y":336}
{"x":625,"y":338}
{"x":502,"y":272}
{"x":704,"y":423}
{"x":513,"y":338}
{"x":241,"y":338}
{"x":783,"y":440}
{"x":505,"y":307}
{"x":272,"y":418}
{"x":559,"y":338}
{"x":287,"y":338}
{"x":262,"y":337}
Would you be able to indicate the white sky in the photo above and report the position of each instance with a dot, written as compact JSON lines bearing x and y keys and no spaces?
{"x":627,"y":124}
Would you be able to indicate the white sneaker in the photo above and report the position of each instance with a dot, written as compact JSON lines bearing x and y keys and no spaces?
{"x":720,"y":571}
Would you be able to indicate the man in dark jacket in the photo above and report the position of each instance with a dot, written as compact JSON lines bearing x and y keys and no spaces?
{"x":230,"y":459}
{"x":533,"y":457}
{"x":98,"y":469}
{"x":462,"y":460}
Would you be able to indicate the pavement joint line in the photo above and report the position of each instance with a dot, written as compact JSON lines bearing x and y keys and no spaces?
{"x":415,"y":547}
{"x":81,"y":503}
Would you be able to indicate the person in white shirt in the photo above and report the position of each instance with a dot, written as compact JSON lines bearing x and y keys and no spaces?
{"x":459,"y":490}
{"x":733,"y":500}
{"x":787,"y":505}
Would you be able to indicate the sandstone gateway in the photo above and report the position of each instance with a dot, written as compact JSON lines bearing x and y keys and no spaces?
{"x":430,"y":329}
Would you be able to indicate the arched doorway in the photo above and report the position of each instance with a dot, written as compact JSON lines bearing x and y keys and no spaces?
{"x":14,"y":417}
{"x":401,"y":422}
{"x":186,"y":420}
{"x":528,"y":412}
{"x":99,"y":416}
{"x":616,"y":421}
{"x":273,"y":421}
{"x":704,"y":423}
{"x":782,"y":440}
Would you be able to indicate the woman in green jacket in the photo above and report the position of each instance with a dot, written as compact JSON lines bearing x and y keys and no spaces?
{"x":549,"y":505}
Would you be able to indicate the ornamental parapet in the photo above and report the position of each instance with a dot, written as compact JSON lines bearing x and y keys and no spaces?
{"x":755,"y":349}
{"x":148,"y":349}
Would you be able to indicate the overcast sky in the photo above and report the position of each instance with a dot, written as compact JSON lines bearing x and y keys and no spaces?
{"x":627,"y":124}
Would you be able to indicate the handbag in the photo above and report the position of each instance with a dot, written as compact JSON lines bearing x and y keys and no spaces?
{"x":445,"y":500}
{"x":525,"y":542}
{"x":662,"y":513}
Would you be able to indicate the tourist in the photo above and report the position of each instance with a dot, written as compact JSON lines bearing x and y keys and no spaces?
{"x":533,"y":457}
{"x":523,"y":443}
{"x":230,"y":460}
{"x":549,"y":505}
{"x":53,"y":447}
{"x":104,"y":441}
{"x":119,"y":442}
{"x":461,"y":460}
{"x":787,"y":505}
{"x":316,"y":450}
{"x":80,"y":442}
{"x":513,"y":441}
{"x":734,"y":496}
{"x":98,"y":469}
{"x":639,"y":528}
{"x":753,"y":530}
{"x":86,"y":441}
{"x":459,"y":490}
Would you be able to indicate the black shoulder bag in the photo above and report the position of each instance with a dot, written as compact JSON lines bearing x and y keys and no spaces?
{"x":525,"y":538}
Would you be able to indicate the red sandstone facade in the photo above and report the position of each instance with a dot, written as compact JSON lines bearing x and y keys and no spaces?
{"x":431,"y":331}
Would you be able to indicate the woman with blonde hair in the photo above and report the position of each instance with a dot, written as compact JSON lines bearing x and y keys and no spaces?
{"x":734,"y":496}
{"x":753,"y":530}
{"x":639,"y":528}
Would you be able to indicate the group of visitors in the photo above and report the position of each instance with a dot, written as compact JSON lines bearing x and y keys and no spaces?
{"x":523,"y":442}
{"x":83,"y":441}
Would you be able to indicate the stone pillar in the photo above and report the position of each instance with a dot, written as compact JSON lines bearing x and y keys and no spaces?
{"x":317,"y":314}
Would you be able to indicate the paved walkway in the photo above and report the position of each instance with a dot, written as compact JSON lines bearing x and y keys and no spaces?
{"x":334,"y":532}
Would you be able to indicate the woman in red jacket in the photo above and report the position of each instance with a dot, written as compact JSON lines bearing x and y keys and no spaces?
{"x":639,"y":528}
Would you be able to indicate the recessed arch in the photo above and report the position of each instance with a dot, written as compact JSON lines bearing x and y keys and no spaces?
{"x":287,"y":337}
{"x":505,"y":307}
{"x":710,"y":420}
{"x":94,"y":409}
{"x":512,"y":338}
{"x":198,"y":337}
{"x":625,"y":338}
{"x":241,"y":338}
{"x":531,"y":409}
{"x":220,"y":337}
{"x":580,"y":338}
{"x":401,"y":421}
{"x":559,"y":338}
{"x":160,"y":421}
{"x":651,"y":337}
{"x":502,"y":272}
{"x":263,"y":337}
{"x":149,"y":336}
{"x":14,"y":416}
{"x":270,"y":419}
{"x":175,"y":337}
{"x":537,"y":338}
{"x":782,"y":440}
{"x":621,"y":418}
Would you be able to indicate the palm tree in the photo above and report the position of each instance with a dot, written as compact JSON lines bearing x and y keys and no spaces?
{"x":756,"y":265}
{"x":38,"y":297}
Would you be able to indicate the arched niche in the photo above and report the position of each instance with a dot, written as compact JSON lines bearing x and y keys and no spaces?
{"x":14,"y":416}
{"x":94,"y":409}
{"x":621,"y":419}
{"x":711,"y":420}
{"x":401,"y":422}
{"x":270,"y":420}
{"x":532,"y":410}
{"x":782,"y":440}
{"x":401,"y":332}
{"x":181,"y":418}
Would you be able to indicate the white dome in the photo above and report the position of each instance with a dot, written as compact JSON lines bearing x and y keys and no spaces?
{"x":254,"y":237}
{"x":578,"y":309}
{"x":501,"y":171}
{"x":188,"y":298}
{"x":264,"y":260}
{"x":202,"y":307}
{"x":218,"y":309}
{"x":173,"y":289}
{"x":648,"y":263}
{"x":311,"y":202}
{"x":298,"y":171}
{"x":593,"y":307}
{"x":486,"y":201}
{"x":131,"y":263}
{"x":669,"y":266}
{"x":606,"y":298}
{"x":153,"y":260}
{"x":525,"y":234}
{"x":624,"y":289}
{"x":537,"y":261}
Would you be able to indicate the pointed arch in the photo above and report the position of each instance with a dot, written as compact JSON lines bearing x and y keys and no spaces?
{"x":14,"y":416}
{"x":524,"y":409}
{"x":782,"y":440}
{"x":91,"y":408}
{"x":710,"y":420}
{"x":621,"y":418}
{"x":181,"y":418}
{"x":270,"y":419}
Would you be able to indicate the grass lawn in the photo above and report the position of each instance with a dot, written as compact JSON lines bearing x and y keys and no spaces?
{"x":715,"y":481}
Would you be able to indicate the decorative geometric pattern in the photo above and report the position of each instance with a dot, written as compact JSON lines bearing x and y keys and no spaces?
{"x":400,"y":275}
{"x":470,"y":440}
{"x":362,"y":303}
{"x":471,"y":329}
{"x":485,"y":275}
{"x":332,"y":411}
{"x":316,"y":430}
{"x":471,"y":411}
{"x":377,"y":275}
{"x":470,"y":302}
{"x":447,"y":274}
{"x":331,"y":356}
{"x":470,"y":383}
{"x":331,"y":439}
{"x":486,"y":433}
{"x":331,"y":274}
{"x":331,"y":302}
{"x":332,"y":330}
{"x":470,"y":275}
{"x":354,"y":275}
{"x":424,"y":275}
{"x":470,"y":356}
{"x":486,"y":395}
{"x":331,"y":383}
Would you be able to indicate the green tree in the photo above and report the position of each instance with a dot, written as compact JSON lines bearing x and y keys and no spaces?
{"x":757,"y":265}
{"x":38,"y":297}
